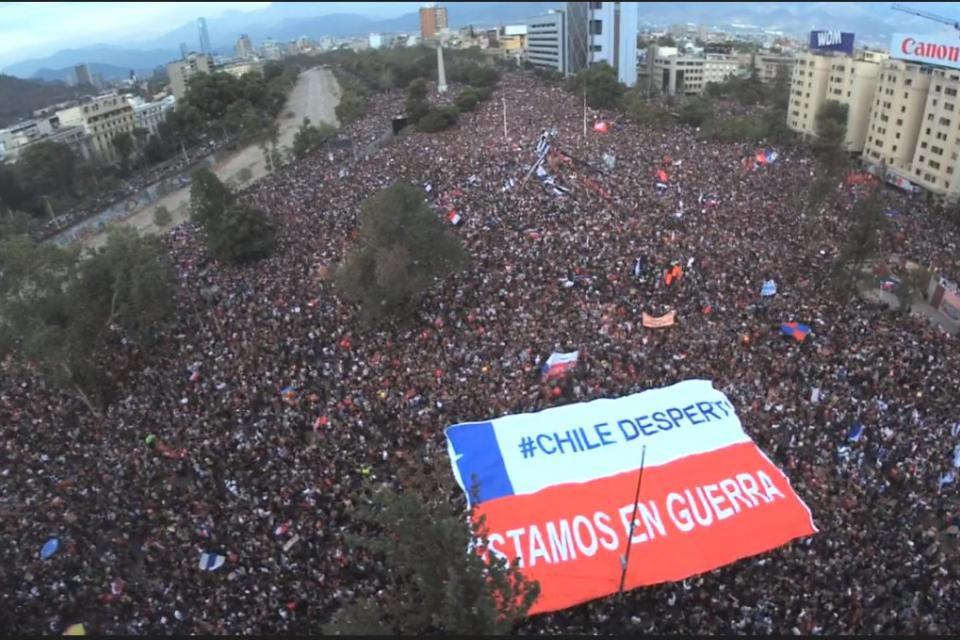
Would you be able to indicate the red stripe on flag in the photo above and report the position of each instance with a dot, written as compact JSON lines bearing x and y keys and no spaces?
{"x":572,"y":536}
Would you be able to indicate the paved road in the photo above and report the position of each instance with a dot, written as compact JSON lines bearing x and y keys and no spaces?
{"x":315,"y":96}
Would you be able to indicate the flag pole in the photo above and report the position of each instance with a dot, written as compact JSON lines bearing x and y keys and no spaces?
{"x":625,"y":559}
{"x":505,"y":137}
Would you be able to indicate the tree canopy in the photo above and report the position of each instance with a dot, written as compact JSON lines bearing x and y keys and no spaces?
{"x":310,"y":138}
{"x":61,"y":310}
{"x":242,"y":235}
{"x":435,"y":585}
{"x":600,"y":82}
{"x":209,"y":198}
{"x":236,"y":233}
{"x":403,"y":248}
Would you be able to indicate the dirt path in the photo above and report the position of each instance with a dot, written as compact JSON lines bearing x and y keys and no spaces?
{"x":315,"y":96}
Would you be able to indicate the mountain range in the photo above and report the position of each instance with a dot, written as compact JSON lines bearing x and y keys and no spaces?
{"x":280,"y":21}
{"x":872,"y":22}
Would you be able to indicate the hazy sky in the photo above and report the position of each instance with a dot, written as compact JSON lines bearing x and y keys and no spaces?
{"x":36,"y":29}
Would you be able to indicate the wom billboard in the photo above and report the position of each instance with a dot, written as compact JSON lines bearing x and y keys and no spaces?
{"x":831,"y":41}
{"x":557,"y":490}
{"x":929,"y":49}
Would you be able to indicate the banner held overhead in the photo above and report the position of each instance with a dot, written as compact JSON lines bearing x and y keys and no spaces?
{"x":557,"y":491}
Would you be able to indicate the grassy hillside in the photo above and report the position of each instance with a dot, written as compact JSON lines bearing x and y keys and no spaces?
{"x":19,"y":98}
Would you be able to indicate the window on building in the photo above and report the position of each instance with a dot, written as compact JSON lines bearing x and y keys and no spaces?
{"x":898,"y":135}
{"x":923,"y":145}
{"x":596,"y":5}
{"x":908,"y":81}
{"x":950,"y":170}
{"x":945,"y":122}
{"x":921,"y":158}
{"x":894,"y":148}
{"x":939,"y":88}
{"x":596,"y":27}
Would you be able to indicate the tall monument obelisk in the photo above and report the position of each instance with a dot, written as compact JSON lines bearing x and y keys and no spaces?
{"x":441,"y":73}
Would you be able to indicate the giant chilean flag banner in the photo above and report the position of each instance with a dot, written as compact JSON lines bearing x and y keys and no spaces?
{"x":557,"y":490}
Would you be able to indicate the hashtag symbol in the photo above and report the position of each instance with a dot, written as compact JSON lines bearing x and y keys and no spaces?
{"x":527,"y":447}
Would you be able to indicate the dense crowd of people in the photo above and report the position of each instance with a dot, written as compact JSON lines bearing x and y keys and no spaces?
{"x":268,"y":403}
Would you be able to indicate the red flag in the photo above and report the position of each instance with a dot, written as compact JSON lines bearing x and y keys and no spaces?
{"x":601,"y":127}
{"x":662,"y":175}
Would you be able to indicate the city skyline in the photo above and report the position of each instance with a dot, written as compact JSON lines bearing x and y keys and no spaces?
{"x":36,"y":29}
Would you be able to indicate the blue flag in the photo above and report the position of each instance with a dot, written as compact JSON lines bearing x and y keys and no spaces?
{"x":855,"y":432}
{"x":768,"y":289}
{"x":49,"y":548}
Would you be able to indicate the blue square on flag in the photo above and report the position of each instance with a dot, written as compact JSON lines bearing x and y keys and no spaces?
{"x":475,"y":452}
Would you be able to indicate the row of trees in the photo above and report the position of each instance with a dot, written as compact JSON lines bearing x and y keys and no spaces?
{"x":362,"y":73}
{"x":602,"y":90}
{"x":50,"y":178}
{"x":62,"y":310}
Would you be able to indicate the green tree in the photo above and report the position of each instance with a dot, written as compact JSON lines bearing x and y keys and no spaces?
{"x":696,"y":112}
{"x":466,"y":100}
{"x":438,"y":120}
{"x":60,"y":312}
{"x":209,"y":198}
{"x":309,"y":138}
{"x":441,"y":578}
{"x":155,"y":150}
{"x":123,"y":143}
{"x":861,"y":242}
{"x":242,"y":235}
{"x":482,"y":76}
{"x":48,"y":168}
{"x":417,"y":90}
{"x":831,"y":130}
{"x":14,"y":195}
{"x":402,"y":249}
{"x":245,"y":175}
{"x":666,"y":41}
{"x":352,"y":106}
{"x":601,"y":85}
{"x":162,"y":217}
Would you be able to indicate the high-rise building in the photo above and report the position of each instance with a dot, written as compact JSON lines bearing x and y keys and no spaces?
{"x":183,"y":50}
{"x":546,"y":44}
{"x":433,"y":19}
{"x":81,"y":74}
{"x":181,"y":71}
{"x":102,"y":118}
{"x":244,"y":47}
{"x":901,"y":91}
{"x":603,"y":32}
{"x":204,"y":36}
{"x":913,"y":126}
{"x":847,"y":79}
{"x":271,"y":50}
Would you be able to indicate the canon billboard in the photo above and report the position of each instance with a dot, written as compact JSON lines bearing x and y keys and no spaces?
{"x":831,"y":41}
{"x":929,"y":49}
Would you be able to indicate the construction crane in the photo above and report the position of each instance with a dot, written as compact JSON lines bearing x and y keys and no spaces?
{"x":929,"y":16}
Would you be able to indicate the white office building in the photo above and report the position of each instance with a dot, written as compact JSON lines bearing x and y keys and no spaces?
{"x":599,"y":32}
{"x":546,"y":42}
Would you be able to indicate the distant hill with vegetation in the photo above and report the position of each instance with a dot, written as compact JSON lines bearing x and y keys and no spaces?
{"x":19,"y":98}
